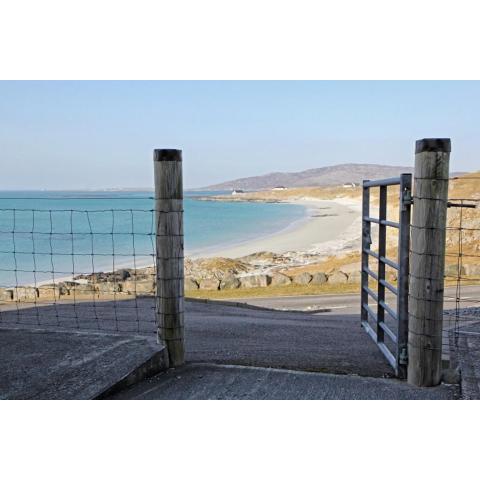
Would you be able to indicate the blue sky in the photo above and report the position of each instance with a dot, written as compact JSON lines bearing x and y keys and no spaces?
{"x":67,"y":135}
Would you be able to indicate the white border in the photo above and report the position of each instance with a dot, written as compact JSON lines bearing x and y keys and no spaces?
{"x":247,"y":39}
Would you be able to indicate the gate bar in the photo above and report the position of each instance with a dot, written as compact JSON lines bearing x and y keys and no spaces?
{"x":398,"y":356}
{"x":403,"y":271}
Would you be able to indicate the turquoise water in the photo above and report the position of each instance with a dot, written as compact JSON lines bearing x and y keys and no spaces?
{"x":79,"y":232}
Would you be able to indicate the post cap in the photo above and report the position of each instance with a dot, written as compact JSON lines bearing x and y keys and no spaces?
{"x":167,"y":154}
{"x":433,"y":145}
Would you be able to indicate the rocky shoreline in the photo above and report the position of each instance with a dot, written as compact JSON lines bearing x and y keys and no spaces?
{"x":261,"y":269}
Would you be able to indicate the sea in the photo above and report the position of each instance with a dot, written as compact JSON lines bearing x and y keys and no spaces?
{"x":49,"y":236}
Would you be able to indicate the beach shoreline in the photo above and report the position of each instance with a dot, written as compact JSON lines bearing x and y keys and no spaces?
{"x":327,"y":227}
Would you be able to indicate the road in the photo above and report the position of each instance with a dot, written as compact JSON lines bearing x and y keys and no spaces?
{"x":220,"y":334}
{"x":350,"y":303}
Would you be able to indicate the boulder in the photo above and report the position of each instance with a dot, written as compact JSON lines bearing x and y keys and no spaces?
{"x":452,"y":270}
{"x":209,"y":284}
{"x":337,"y":277}
{"x":52,"y":290}
{"x":349,"y":268}
{"x":252,"y":281}
{"x":229,"y":282}
{"x":472,"y":270}
{"x":140,"y":287}
{"x":302,"y":279}
{"x":355,"y":277}
{"x":217,"y":267}
{"x":280,"y":279}
{"x":190,"y":284}
{"x":5,"y":295}
{"x":24,"y":293}
{"x":391,"y":276}
{"x":264,"y":258}
{"x":319,"y":278}
{"x":83,"y":289}
{"x":122,"y":274}
{"x":108,"y":287}
{"x":146,"y":271}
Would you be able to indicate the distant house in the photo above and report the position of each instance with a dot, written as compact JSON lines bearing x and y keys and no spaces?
{"x":236,"y":191}
{"x":350,"y":185}
{"x":279,"y":188}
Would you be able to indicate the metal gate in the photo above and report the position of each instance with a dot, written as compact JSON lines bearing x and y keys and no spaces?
{"x":387,"y":323}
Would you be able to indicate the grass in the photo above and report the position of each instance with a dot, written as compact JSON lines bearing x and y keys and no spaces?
{"x":274,"y":291}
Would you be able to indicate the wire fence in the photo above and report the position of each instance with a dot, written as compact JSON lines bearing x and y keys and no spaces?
{"x":462,"y":265}
{"x":87,"y":265}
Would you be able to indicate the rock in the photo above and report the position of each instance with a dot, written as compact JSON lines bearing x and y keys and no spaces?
{"x":140,"y":287}
{"x":264,"y":258}
{"x":349,"y":268}
{"x":209,"y":284}
{"x":355,"y":277}
{"x":337,"y":277}
{"x":217,"y":267}
{"x":280,"y":279}
{"x":190,"y":284}
{"x":24,"y":293}
{"x":138,"y":276}
{"x":6,"y":295}
{"x":252,"y":281}
{"x":122,"y":274}
{"x":302,"y":279}
{"x":108,"y":287}
{"x":52,"y":290}
{"x":80,"y":288}
{"x":229,"y":282}
{"x":452,"y":270}
{"x":391,"y":276}
{"x":319,"y":278}
{"x":146,"y":271}
{"x":472,"y":270}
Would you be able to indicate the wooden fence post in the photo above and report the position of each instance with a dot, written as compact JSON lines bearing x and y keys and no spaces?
{"x":169,"y":254}
{"x":427,"y":261}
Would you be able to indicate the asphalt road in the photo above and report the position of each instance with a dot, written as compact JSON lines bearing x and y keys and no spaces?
{"x":264,"y":338}
{"x":350,"y":303}
{"x":326,"y":343}
{"x":218,"y":333}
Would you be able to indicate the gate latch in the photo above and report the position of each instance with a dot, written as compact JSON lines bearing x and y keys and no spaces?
{"x":407,"y":198}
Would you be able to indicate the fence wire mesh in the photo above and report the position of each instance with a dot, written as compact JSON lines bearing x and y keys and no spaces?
{"x":462,"y":264}
{"x":89,"y":265}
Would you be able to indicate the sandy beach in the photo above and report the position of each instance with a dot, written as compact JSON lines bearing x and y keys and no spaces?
{"x":328,"y":227}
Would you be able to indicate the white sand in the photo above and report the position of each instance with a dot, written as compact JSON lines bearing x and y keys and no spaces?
{"x":328,"y":228}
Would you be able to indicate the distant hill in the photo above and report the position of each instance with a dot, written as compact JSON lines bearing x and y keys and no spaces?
{"x":315,"y":177}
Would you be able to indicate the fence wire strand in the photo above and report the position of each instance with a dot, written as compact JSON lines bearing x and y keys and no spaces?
{"x":462,"y":271}
{"x":82,"y":268}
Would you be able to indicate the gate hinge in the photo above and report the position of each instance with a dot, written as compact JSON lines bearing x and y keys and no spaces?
{"x":403,"y":357}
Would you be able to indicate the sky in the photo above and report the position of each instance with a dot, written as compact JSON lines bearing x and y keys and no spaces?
{"x":93,"y":135}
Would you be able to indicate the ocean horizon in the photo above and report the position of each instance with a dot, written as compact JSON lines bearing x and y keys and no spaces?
{"x":80,"y":232}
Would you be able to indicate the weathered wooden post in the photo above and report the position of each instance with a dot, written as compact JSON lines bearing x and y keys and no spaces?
{"x":427,"y":261}
{"x":169,"y":243}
